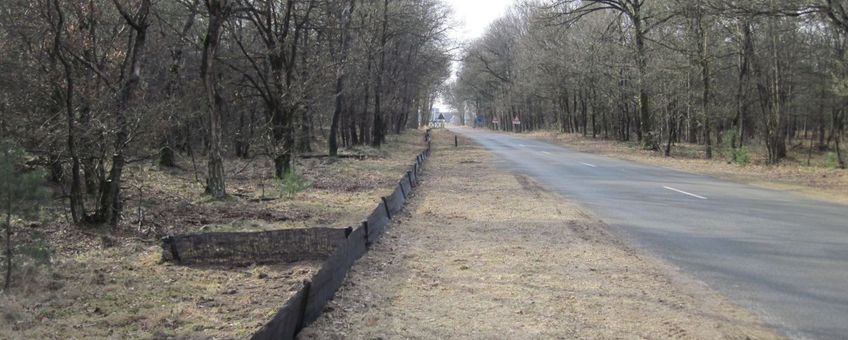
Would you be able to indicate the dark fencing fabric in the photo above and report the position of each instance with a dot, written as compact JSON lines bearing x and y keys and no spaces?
{"x":376,"y":222}
{"x":288,"y":321}
{"x":287,"y":245}
{"x":394,"y":202}
{"x":326,"y":282}
{"x":309,"y":302}
{"x":356,"y":244}
{"x":339,"y":248}
{"x":405,"y":186}
{"x":411,"y":174}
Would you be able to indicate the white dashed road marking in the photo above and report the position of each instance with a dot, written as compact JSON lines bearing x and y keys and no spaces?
{"x":685,"y":193}
{"x":589,"y":165}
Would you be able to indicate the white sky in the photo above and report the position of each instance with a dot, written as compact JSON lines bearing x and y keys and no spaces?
{"x":472,"y":17}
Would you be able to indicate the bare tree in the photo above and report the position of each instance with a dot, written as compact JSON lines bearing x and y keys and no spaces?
{"x":642,"y":22}
{"x":218,"y":10}
{"x":344,"y":46}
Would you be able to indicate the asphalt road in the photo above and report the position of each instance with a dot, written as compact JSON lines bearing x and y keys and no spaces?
{"x":783,"y":256}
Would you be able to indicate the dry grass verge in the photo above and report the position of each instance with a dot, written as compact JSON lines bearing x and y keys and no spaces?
{"x":125,"y":292}
{"x":111,"y":284}
{"x":483,"y":253}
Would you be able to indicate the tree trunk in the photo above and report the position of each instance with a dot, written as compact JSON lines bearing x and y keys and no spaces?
{"x":746,"y":49}
{"x":241,"y":139}
{"x":378,"y":130}
{"x":111,"y":203}
{"x":304,"y":138}
{"x":347,"y":14}
{"x":363,"y":123}
{"x":670,"y":128}
{"x":705,"y":72}
{"x":775,"y":121}
{"x":8,"y":282}
{"x":78,"y":214}
{"x":839,"y":132}
{"x":642,"y":61}
{"x":218,"y":10}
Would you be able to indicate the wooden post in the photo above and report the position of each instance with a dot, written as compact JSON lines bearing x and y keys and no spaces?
{"x":455,"y":141}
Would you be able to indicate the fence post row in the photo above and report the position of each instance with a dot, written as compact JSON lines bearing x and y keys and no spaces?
{"x":338,"y":251}
{"x":306,"y":305}
{"x":386,"y":205}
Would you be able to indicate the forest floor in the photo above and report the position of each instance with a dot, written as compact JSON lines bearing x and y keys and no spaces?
{"x":98,"y":283}
{"x":481,"y":252}
{"x":816,"y":181}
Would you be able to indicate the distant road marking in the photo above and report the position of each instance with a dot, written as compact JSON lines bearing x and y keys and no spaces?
{"x":522,"y":145}
{"x":685,"y":193}
{"x":589,"y":165}
{"x":545,"y":152}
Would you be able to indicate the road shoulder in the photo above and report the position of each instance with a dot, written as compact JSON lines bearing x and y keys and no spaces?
{"x":484,"y":253}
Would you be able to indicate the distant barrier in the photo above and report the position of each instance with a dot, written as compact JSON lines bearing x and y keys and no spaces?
{"x":338,"y":248}
{"x":252,"y":247}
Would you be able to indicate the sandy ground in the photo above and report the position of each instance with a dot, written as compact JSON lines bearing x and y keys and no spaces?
{"x":816,"y":181}
{"x":483,"y":253}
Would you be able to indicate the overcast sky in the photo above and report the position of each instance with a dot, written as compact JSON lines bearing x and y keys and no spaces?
{"x":472,"y":17}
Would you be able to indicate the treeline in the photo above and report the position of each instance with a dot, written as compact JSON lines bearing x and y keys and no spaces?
{"x":666,"y":71}
{"x":87,"y":87}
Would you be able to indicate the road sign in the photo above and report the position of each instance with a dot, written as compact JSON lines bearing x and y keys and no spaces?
{"x":516,"y":121}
